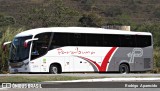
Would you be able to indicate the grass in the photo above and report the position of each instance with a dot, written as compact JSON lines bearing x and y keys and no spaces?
{"x":40,"y":78}
{"x":32,"y":79}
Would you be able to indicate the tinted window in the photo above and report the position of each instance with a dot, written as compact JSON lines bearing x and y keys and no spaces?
{"x":18,"y":52}
{"x":101,"y":40}
{"x":110,"y":40}
{"x":59,"y":39}
{"x":128,"y":41}
{"x":40,"y":46}
{"x":143,"y":41}
{"x":77,"y":39}
{"x":94,"y":40}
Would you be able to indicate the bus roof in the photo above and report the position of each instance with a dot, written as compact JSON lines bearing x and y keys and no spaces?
{"x":79,"y":30}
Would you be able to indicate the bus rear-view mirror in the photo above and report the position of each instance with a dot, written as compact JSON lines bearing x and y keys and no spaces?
{"x":27,"y":41}
{"x":4,"y":45}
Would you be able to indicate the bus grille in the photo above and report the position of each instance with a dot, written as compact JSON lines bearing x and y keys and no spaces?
{"x":16,"y":65}
{"x":147,"y":62}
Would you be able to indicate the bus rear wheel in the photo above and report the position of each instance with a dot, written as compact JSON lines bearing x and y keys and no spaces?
{"x":124,"y":68}
{"x":54,"y":69}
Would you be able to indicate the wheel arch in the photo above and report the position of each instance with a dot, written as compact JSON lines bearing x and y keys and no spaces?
{"x":57,"y":64}
{"x":126,"y":64}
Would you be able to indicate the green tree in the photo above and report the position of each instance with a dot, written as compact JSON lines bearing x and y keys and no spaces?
{"x":54,"y":14}
{"x":113,"y":11}
{"x":62,"y":15}
{"x":37,"y":18}
{"x":6,"y":20}
{"x":91,"y":20}
{"x":157,"y":12}
{"x":88,"y":4}
{"x":7,"y":35}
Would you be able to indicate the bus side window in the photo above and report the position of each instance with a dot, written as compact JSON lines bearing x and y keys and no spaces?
{"x":94,"y":40}
{"x":143,"y":41}
{"x":77,"y":39}
{"x":59,"y":40}
{"x":128,"y":41}
{"x":40,"y":46}
{"x":111,"y":40}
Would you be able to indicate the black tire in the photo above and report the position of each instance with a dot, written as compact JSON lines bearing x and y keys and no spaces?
{"x":54,"y":69}
{"x":124,"y":68}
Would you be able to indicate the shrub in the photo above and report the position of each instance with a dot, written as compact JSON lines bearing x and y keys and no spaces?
{"x":7,"y":35}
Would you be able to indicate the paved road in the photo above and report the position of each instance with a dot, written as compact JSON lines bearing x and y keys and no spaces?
{"x":87,"y":89}
{"x":91,"y":86}
{"x":95,"y":86}
{"x":87,"y":75}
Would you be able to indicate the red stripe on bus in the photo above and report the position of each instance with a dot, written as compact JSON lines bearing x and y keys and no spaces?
{"x":106,"y":59}
{"x":105,"y":62}
{"x":87,"y":59}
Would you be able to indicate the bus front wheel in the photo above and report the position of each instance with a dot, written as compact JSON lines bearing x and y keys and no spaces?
{"x":124,"y":68}
{"x":54,"y":69}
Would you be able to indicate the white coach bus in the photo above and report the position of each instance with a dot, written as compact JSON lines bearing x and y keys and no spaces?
{"x":80,"y":49}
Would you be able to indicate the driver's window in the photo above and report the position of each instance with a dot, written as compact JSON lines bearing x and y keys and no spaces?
{"x":40,"y":46}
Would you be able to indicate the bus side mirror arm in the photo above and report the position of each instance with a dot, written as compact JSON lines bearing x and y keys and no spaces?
{"x":4,"y":45}
{"x":28,"y":40}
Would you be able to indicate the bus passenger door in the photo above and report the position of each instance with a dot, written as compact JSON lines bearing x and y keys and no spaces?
{"x":39,"y":50}
{"x":35,"y":65}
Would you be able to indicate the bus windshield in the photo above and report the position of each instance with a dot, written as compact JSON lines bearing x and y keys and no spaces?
{"x":18,"y":52}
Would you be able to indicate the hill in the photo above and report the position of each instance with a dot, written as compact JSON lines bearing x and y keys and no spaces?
{"x":36,"y":13}
{"x":141,"y":15}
